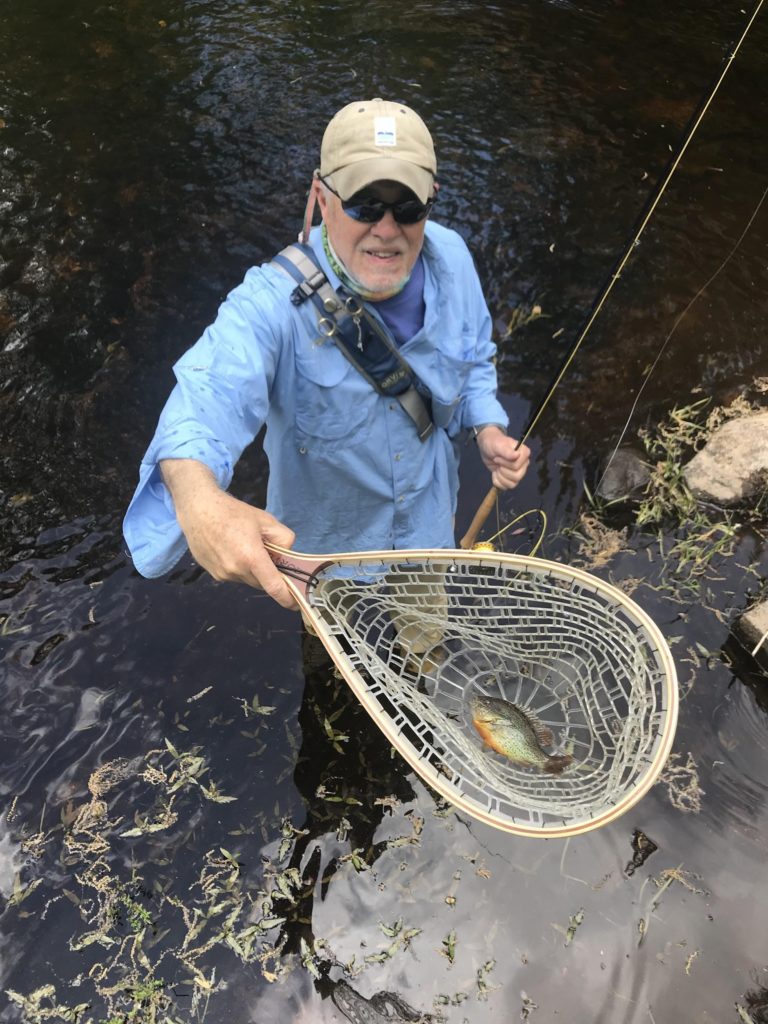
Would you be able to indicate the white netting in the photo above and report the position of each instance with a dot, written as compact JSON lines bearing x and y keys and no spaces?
{"x":424,"y":636}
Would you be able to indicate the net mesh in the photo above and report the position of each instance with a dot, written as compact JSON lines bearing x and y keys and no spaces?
{"x":424,"y":636}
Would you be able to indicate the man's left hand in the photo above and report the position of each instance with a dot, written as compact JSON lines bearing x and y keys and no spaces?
{"x":506,"y":462}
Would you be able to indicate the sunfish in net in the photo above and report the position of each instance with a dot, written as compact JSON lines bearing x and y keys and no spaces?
{"x":517,"y":735}
{"x":420,"y":636}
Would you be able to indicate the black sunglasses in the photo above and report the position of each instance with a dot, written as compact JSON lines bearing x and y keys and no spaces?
{"x":370,"y":211}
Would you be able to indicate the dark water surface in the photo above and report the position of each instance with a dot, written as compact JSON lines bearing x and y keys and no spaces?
{"x":148,"y":155}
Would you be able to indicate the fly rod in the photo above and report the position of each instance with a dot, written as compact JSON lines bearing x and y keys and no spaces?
{"x":639,"y":227}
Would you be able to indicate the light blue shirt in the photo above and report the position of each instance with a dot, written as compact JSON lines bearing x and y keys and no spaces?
{"x":347,"y":469}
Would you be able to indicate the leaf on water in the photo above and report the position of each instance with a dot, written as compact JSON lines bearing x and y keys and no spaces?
{"x":212,"y":793}
{"x":377,"y":958}
{"x":391,"y":930}
{"x":173,"y":751}
{"x":267,"y":923}
{"x":20,"y":892}
{"x":89,"y":938}
{"x":575,"y":921}
{"x":284,"y":885}
{"x":199,"y":694}
{"x":308,"y":960}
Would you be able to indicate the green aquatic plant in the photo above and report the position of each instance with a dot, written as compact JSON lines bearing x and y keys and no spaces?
{"x":667,"y":496}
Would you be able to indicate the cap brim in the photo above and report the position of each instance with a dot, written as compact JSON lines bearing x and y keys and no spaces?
{"x":355,"y":177}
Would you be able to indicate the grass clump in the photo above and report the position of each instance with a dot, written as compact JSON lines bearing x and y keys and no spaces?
{"x":667,"y":496}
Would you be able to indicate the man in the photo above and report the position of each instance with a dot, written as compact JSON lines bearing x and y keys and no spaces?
{"x":352,"y":466}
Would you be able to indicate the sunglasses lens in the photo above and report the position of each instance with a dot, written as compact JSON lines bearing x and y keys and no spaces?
{"x":367,"y":213}
{"x":410,"y":211}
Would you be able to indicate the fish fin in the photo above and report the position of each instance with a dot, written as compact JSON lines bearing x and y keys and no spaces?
{"x":557,"y":763}
{"x":486,"y":735}
{"x":542,"y":732}
{"x":544,"y":735}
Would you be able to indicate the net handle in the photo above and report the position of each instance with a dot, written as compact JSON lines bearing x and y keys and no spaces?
{"x":487,"y":506}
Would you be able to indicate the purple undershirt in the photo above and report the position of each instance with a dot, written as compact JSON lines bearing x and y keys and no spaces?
{"x":404,"y":313}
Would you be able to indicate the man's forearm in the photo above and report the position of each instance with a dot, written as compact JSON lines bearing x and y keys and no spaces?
{"x":188,"y":480}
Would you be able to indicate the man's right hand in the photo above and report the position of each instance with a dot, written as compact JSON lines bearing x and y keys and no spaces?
{"x":225,"y":535}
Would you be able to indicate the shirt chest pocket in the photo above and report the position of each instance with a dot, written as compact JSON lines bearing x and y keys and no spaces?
{"x":334,"y":404}
{"x":446,"y":374}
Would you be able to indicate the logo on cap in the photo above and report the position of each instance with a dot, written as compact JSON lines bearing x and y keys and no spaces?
{"x":384,"y":131}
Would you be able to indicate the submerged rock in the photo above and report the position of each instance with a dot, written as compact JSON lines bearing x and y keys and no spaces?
{"x":625,"y":476}
{"x":733,"y":465}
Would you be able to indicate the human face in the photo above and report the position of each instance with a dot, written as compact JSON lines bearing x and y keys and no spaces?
{"x":380,"y":256}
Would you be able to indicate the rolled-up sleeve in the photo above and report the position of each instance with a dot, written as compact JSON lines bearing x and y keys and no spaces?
{"x":217,"y":407}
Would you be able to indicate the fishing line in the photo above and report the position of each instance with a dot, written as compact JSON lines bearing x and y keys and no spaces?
{"x":676,"y":324}
{"x":645,"y":215}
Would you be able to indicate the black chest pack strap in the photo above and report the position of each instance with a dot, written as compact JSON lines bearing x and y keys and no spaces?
{"x":361,"y":337}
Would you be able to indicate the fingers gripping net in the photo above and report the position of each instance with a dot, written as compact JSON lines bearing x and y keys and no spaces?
{"x":417,"y":639}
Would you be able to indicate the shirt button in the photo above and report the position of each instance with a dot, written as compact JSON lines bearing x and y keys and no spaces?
{"x":302,"y":451}
{"x":392,"y":405}
{"x":398,"y":456}
{"x":401,"y":499}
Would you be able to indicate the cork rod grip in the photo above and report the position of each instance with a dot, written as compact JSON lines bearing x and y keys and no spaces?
{"x":478,"y":522}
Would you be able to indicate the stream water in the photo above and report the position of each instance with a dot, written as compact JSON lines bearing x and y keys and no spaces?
{"x":148,"y":155}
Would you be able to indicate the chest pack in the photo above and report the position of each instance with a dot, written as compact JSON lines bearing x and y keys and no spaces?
{"x":362,"y":338}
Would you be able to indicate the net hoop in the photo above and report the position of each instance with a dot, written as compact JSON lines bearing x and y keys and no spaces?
{"x":557,"y":641}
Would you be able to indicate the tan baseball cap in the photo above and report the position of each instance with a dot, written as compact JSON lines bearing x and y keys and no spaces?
{"x":377,"y":140}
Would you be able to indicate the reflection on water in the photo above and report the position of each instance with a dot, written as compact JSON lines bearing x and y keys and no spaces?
{"x":147,"y":158}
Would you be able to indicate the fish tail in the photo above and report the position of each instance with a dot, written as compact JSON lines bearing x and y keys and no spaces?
{"x":557,"y":763}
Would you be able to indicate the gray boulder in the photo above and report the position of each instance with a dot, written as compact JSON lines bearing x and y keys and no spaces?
{"x":625,"y":476}
{"x":732,"y":467}
{"x":751,"y":627}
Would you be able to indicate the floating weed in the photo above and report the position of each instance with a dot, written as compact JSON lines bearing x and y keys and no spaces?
{"x":449,"y":947}
{"x":336,"y":737}
{"x":309,"y":960}
{"x":34,"y":1008}
{"x":288,"y":833}
{"x":666,"y":878}
{"x":678,"y":875}
{"x":483,"y":988}
{"x":690,"y":959}
{"x":414,"y":839}
{"x":444,"y":1000}
{"x":401,"y":936}
{"x":356,"y":858}
{"x":598,"y":543}
{"x":150,"y":938}
{"x":574,"y":922}
{"x":521,"y":316}
{"x":20,"y":891}
{"x":137,"y":968}
{"x":253,"y":708}
{"x":527,"y":1008}
{"x":323,"y":793}
{"x":682,"y":783}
